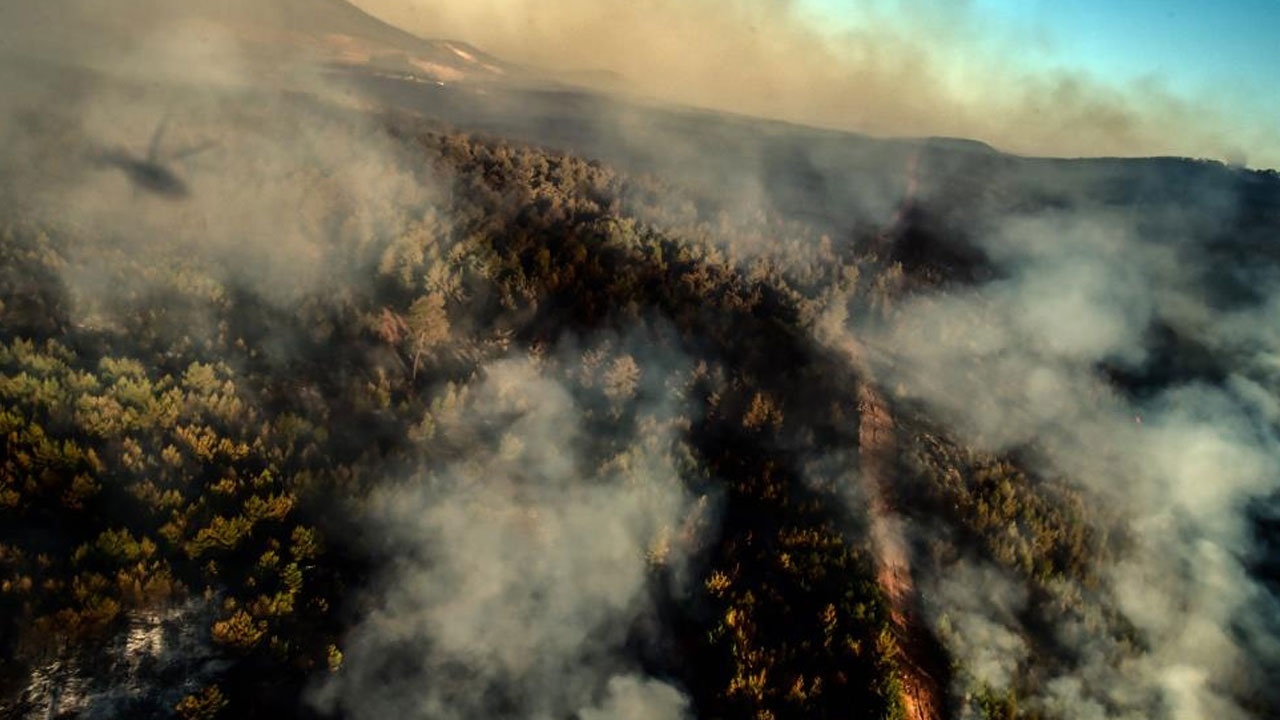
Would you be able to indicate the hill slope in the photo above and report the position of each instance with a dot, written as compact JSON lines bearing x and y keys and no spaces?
{"x":507,"y":402}
{"x":322,"y":30}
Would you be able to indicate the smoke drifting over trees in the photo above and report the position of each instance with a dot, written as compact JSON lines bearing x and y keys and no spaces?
{"x":1013,"y":366}
{"x":438,"y":396}
{"x":517,"y":572}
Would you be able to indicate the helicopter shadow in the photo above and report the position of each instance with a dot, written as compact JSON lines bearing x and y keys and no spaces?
{"x":153,"y":173}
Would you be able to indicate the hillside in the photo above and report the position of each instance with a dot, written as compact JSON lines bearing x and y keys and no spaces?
{"x":485,"y":400}
{"x":332,"y":31}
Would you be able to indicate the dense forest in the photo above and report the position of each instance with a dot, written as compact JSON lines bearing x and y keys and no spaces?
{"x":197,"y":446}
{"x":517,"y":433}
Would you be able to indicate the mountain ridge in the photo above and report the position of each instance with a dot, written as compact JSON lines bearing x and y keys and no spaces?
{"x":328,"y":31}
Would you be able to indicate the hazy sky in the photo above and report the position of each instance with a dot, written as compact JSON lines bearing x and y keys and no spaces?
{"x":1194,"y":46}
{"x":1071,"y":77}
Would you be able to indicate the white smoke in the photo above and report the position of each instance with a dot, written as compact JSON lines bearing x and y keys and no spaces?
{"x":1014,"y":363}
{"x":515,"y":572}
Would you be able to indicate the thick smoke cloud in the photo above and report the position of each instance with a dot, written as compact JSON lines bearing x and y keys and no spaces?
{"x":908,"y":68}
{"x":1015,"y":364}
{"x":515,"y":574}
{"x":976,"y":609}
{"x":269,"y":193}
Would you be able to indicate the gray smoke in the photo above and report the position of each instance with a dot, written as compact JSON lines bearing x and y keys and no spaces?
{"x":1014,"y":364}
{"x":515,"y":573}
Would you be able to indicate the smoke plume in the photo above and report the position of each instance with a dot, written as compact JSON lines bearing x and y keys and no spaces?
{"x":1015,"y":365}
{"x":514,"y":575}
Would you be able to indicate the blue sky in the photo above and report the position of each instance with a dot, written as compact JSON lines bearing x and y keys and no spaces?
{"x":1224,"y":48}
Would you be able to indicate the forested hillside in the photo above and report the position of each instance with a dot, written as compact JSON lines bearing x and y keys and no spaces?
{"x":390,"y":419}
{"x":190,"y":443}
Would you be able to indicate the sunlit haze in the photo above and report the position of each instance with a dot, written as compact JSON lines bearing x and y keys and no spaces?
{"x":1081,"y":78}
